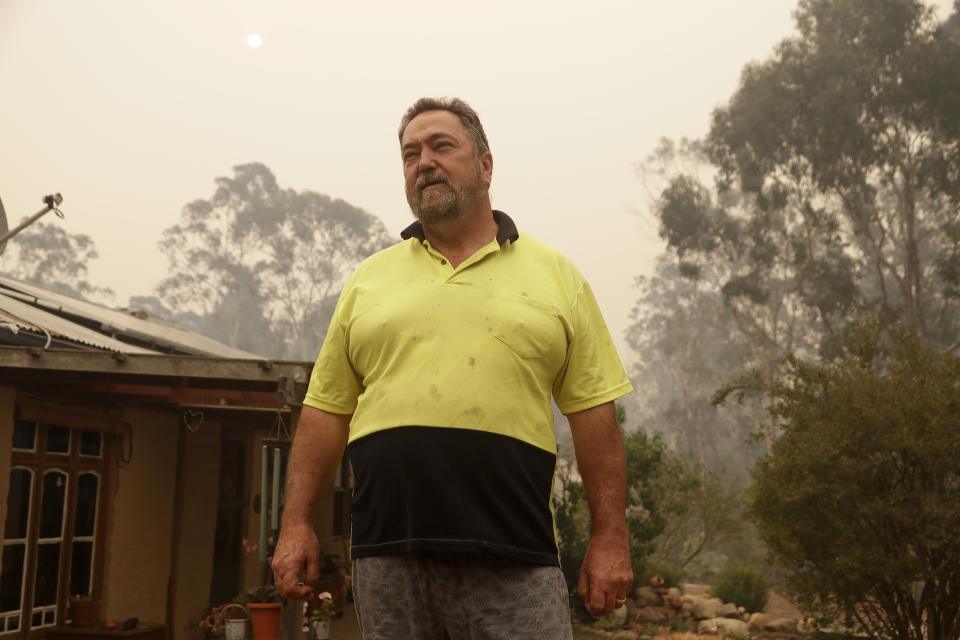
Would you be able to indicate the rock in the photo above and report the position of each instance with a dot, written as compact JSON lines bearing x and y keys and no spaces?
{"x":618,"y":616}
{"x":646,"y":596}
{"x":781,"y":625}
{"x":665,"y":612}
{"x":693,"y":599}
{"x":656,"y":581}
{"x":674,"y":592}
{"x":649,"y":614}
{"x":741,"y":610}
{"x":722,"y":626}
{"x":706,"y":609}
{"x":727,"y":610}
{"x":757,"y":620}
{"x":694,"y":589}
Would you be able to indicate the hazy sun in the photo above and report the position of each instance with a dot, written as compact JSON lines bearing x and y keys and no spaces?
{"x":254,"y":40}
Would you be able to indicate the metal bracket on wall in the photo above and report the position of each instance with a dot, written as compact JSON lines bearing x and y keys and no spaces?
{"x":192,"y":419}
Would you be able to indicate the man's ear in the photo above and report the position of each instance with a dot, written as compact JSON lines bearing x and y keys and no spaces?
{"x":486,"y":167}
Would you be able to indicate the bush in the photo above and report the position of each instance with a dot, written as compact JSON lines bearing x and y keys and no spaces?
{"x":649,"y":472}
{"x":671,"y":575}
{"x":743,"y":585}
{"x":859,"y":499}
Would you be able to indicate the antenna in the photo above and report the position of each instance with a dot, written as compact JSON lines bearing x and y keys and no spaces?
{"x":51,"y":202}
{"x":3,"y":227}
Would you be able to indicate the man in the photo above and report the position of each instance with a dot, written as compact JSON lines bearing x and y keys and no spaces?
{"x":438,"y":368}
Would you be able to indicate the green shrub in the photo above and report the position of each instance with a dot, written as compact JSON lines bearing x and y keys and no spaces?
{"x":607,"y":623}
{"x":671,"y":575}
{"x":743,"y":585}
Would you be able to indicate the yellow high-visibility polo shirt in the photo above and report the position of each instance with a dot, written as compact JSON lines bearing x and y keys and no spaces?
{"x":448,"y":374}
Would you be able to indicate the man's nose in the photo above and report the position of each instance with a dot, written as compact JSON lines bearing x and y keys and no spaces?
{"x":427,"y":159}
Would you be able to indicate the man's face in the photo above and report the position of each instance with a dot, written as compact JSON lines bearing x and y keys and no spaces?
{"x":443,"y":175}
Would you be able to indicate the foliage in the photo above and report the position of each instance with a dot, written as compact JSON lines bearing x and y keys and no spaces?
{"x":851,"y":126}
{"x":607,"y":623}
{"x":650,"y":474}
{"x":212,"y":622}
{"x":709,"y":520}
{"x":744,"y":585}
{"x":46,"y":255}
{"x":952,"y":25}
{"x":260,"y":267}
{"x":323,"y":608}
{"x":860,"y":498}
{"x":572,"y":522}
{"x":650,"y":471}
{"x":829,"y":182}
{"x":261,"y":594}
{"x":671,"y":574}
{"x":686,"y":341}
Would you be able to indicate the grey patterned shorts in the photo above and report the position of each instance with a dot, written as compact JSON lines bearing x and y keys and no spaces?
{"x":438,"y":596}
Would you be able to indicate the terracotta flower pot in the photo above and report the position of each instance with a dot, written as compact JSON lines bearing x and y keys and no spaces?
{"x":83,"y":613}
{"x":265,"y":619}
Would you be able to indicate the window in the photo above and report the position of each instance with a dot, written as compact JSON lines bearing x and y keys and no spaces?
{"x":51,"y":533}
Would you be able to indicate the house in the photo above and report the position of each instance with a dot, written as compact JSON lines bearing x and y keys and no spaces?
{"x":131,"y":464}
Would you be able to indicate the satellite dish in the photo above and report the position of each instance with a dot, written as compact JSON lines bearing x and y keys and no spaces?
{"x":3,"y":227}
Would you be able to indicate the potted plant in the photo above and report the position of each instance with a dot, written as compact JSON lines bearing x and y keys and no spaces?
{"x":321,"y":611}
{"x":229,"y":619}
{"x":263,"y":604}
{"x":333,"y":580}
{"x":83,"y":610}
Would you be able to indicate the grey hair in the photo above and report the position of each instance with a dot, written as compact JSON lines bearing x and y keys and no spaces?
{"x":459,"y":108}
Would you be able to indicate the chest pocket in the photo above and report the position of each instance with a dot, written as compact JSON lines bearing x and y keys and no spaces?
{"x":531,"y":329}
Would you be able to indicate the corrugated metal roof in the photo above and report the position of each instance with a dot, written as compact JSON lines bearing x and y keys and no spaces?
{"x":33,"y":318}
{"x":112,"y":322}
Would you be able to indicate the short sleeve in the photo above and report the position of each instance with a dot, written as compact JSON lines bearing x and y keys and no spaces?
{"x":592,"y":373}
{"x":334,"y":385}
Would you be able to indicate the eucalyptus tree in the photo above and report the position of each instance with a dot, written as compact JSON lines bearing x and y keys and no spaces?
{"x":46,"y":254}
{"x":765,"y":274}
{"x":686,"y":343}
{"x":836,"y":185}
{"x":263,"y":260}
{"x":854,"y":124}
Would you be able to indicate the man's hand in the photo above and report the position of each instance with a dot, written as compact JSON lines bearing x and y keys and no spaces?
{"x":605,"y":576}
{"x":296,"y":562}
{"x":317,"y":447}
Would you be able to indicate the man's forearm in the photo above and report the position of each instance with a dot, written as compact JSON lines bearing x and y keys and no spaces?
{"x":606,"y":575}
{"x":314,"y":458}
{"x":602,"y":463}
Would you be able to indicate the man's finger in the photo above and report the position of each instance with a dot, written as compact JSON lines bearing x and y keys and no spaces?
{"x":582,"y":590}
{"x":598,"y":599}
{"x":609,"y":603}
{"x":289,"y":585}
{"x":299,"y":591}
{"x":312,"y":573}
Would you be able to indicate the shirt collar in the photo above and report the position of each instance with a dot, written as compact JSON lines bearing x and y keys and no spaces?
{"x":507,"y":229}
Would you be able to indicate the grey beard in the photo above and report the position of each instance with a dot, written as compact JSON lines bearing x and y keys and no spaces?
{"x":447,"y":207}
